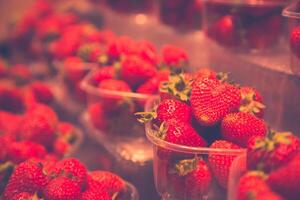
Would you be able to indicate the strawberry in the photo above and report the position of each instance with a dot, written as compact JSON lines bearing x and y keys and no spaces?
{"x":182,"y":133}
{"x":295,"y":41}
{"x":211,"y":100}
{"x":61,"y":147}
{"x":104,"y":37}
{"x":120,"y":47}
{"x":20,"y":73}
{"x":103,"y":73}
{"x":27,"y":177}
{"x":48,"y":162}
{"x":42,"y":93}
{"x":4,"y":144}
{"x":224,"y":31}
{"x":269,"y":195}
{"x":198,"y":180}
{"x":251,"y":185}
{"x":93,"y":194}
{"x":220,"y":164}
{"x":285,"y":180}
{"x":11,"y":99}
{"x":152,"y":85}
{"x":9,"y":124}
{"x":71,"y":167}
{"x":252,"y":101}
{"x":240,"y":127}
{"x":21,"y":151}
{"x":92,"y":52}
{"x":109,"y":182}
{"x":174,"y":57}
{"x":62,"y":188}
{"x":269,"y":153}
{"x":97,"y":116}
{"x":203,"y":73}
{"x":135,"y":71}
{"x":147,"y":51}
{"x":39,"y":125}
{"x":75,"y":69}
{"x":25,"y":196}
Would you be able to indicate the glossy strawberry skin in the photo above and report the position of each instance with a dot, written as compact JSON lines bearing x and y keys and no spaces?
{"x":169,"y":109}
{"x":103,"y":73}
{"x":62,"y":188}
{"x":285,"y":180}
{"x":71,"y":167}
{"x":183,"y":133}
{"x":136,"y":71}
{"x":241,"y":127}
{"x":25,"y":196}
{"x":220,"y":164}
{"x":211,"y":100}
{"x":27,"y":177}
{"x":174,"y":56}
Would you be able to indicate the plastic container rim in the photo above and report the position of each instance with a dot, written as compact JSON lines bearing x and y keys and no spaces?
{"x":90,"y":89}
{"x":150,"y":133}
{"x":133,"y":191}
{"x":288,"y":11}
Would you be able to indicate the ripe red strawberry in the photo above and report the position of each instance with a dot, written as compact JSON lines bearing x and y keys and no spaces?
{"x":74,"y":69}
{"x":295,"y":41}
{"x":4,"y":144}
{"x":62,"y":188}
{"x":220,"y":164}
{"x":93,"y":194}
{"x":251,"y":185}
{"x":269,"y":153}
{"x":285,"y":180}
{"x":198,"y":180}
{"x":181,"y":133}
{"x":11,"y":98}
{"x":27,"y":177}
{"x":9,"y":124}
{"x":42,"y":92}
{"x":92,"y":52}
{"x":103,"y":73}
{"x":169,"y":109}
{"x":225,"y":31}
{"x":97,"y":116}
{"x":121,"y":46}
{"x":61,"y":147}
{"x":147,"y":51}
{"x":174,"y":57}
{"x":211,"y":100}
{"x":203,"y":73}
{"x":104,"y":37}
{"x":240,"y":127}
{"x":25,"y":196}
{"x":110,"y":183}
{"x":71,"y":167}
{"x":39,"y":125}
{"x":269,"y":195}
{"x":21,"y":151}
{"x":152,"y":85}
{"x":252,"y":101}
{"x":136,"y":71}
{"x":48,"y":162}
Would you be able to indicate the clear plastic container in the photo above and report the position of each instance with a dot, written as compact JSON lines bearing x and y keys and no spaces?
{"x":166,"y":155}
{"x":245,"y":26}
{"x":129,"y":193}
{"x":292,"y":12}
{"x":123,"y":137}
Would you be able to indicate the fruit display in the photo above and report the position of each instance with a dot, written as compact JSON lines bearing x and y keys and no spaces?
{"x":198,"y":126}
{"x":270,"y":169}
{"x":49,"y":179}
{"x":291,"y":12}
{"x":245,"y":25}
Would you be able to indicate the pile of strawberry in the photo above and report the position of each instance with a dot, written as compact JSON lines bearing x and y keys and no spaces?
{"x":201,"y":109}
{"x":295,"y":41}
{"x":67,"y":179}
{"x":273,"y":164}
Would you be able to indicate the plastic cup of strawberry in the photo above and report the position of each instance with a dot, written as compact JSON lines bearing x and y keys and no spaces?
{"x":170,"y":184}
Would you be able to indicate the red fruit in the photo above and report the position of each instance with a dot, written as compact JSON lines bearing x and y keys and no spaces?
{"x":181,"y":133}
{"x":65,"y":129}
{"x":39,"y":125}
{"x":20,"y":73}
{"x":9,"y":124}
{"x":25,"y":196}
{"x":42,"y":92}
{"x":172,"y":109}
{"x":65,"y":46}
{"x":269,"y":153}
{"x":97,"y":116}
{"x":252,"y":101}
{"x":75,"y":69}
{"x":203,"y":73}
{"x":21,"y":151}
{"x":11,"y":99}
{"x":251,"y":184}
{"x":285,"y":180}
{"x":27,"y":177}
{"x":295,"y":41}
{"x":4,"y":144}
{"x":152,"y":85}
{"x":241,"y":127}
{"x":110,"y":183}
{"x":71,"y":167}
{"x":220,"y":164}
{"x":224,"y":31}
{"x":92,"y":194}
{"x":198,"y":181}
{"x":61,"y":147}
{"x":62,"y":188}
{"x":92,"y":52}
{"x":103,"y":37}
{"x":269,"y":195}
{"x":103,"y":73}
{"x":136,"y":71}
{"x":121,"y":46}
{"x":211,"y":100}
{"x":147,"y":51}
{"x":174,"y":56}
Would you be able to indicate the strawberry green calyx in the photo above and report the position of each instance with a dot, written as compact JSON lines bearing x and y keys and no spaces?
{"x":185,"y":167}
{"x":144,"y":117}
{"x":178,"y":86}
{"x":85,"y":50}
{"x":223,"y":76}
{"x":249,"y":105}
